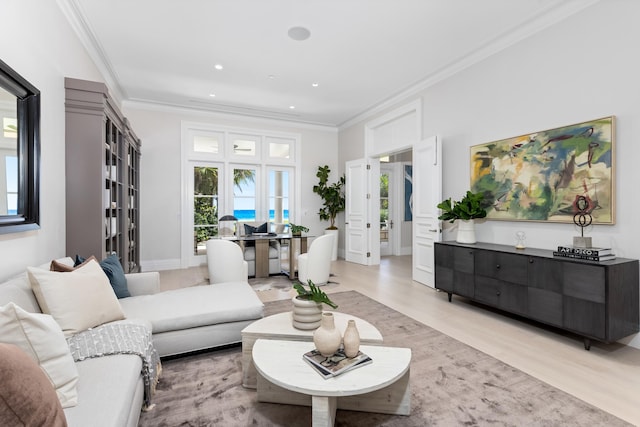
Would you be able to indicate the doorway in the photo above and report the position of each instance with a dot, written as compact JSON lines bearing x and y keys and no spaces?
{"x":395,"y":204}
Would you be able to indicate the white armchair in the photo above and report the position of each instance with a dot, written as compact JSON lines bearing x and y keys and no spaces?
{"x":315,"y":265}
{"x":226,"y":262}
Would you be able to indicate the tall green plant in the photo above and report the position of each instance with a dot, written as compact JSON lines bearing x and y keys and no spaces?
{"x":332,"y":195}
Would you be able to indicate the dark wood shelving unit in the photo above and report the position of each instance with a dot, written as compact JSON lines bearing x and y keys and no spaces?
{"x":102,"y":176}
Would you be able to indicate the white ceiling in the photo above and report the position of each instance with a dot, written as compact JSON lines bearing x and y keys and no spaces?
{"x":362,"y":53}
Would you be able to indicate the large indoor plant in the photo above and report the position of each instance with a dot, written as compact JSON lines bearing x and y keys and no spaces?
{"x":333,"y":199}
{"x":465,"y":211}
{"x":307,"y":306}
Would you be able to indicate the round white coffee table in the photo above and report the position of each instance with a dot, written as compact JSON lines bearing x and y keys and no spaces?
{"x":381,"y":386}
{"x":279,"y":327}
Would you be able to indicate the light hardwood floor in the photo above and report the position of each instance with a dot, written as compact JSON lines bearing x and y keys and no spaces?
{"x":608,"y":376}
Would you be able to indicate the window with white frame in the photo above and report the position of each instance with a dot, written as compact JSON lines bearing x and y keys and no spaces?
{"x":255,"y":176}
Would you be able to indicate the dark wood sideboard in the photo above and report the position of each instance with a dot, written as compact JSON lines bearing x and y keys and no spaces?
{"x":597,"y":300}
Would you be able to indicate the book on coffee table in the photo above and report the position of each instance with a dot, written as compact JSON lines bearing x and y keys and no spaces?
{"x":336,"y":364}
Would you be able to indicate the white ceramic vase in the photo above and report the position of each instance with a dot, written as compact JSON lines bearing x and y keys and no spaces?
{"x":327,"y":337}
{"x":466,"y":231}
{"x":306,"y":314}
{"x":351,"y":339}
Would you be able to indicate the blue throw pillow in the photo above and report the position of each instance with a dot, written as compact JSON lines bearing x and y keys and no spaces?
{"x":113,"y":269}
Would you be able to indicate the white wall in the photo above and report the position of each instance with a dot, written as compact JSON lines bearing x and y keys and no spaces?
{"x":160,"y":207}
{"x":583,"y":68}
{"x":37,"y":42}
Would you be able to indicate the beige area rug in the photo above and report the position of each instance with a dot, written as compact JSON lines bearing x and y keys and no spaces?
{"x":452,"y":384}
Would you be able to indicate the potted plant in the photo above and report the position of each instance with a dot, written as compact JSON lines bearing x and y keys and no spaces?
{"x":297,"y":230}
{"x":333,"y":199}
{"x":465,"y":211}
{"x":307,"y":306}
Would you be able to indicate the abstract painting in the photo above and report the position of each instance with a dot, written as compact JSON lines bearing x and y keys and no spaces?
{"x":540,"y":176}
{"x":408,"y":192}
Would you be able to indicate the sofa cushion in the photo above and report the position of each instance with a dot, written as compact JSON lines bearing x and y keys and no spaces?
{"x":41,"y":338}
{"x":110,"y":391}
{"x":196,"y":306}
{"x":77,"y":300}
{"x":64,"y":267}
{"x":111,"y":267}
{"x":26,"y":396}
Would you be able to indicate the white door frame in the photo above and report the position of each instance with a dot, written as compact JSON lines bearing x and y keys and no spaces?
{"x":395,"y":131}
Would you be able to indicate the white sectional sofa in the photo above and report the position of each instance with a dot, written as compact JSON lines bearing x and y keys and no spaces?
{"x":110,"y":389}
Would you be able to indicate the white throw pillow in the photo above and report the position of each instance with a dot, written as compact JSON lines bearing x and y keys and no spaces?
{"x":41,"y":338}
{"x":78,"y":300}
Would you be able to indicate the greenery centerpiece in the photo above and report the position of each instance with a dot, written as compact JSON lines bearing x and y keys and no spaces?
{"x":465,"y":211}
{"x":307,"y":306}
{"x":314,"y":293}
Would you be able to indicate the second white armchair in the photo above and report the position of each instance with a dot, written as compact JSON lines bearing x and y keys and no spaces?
{"x":315,"y":265}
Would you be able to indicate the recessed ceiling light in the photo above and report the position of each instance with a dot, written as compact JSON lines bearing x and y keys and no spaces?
{"x":213,"y":95}
{"x":292,"y":107}
{"x":314,"y":84}
{"x":218,"y":67}
{"x":271,"y":76}
{"x":299,"y":33}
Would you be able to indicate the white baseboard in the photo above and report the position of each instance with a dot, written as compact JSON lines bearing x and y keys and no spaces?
{"x":163,"y":264}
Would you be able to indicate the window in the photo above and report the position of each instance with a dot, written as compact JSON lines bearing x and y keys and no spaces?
{"x":279,"y":195}
{"x":205,"y":206}
{"x":249,"y":174}
{"x":208,"y":143}
{"x":244,"y":194}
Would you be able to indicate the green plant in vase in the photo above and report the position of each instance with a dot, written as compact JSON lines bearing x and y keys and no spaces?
{"x":297,"y":230}
{"x":470,"y":207}
{"x":314,"y":293}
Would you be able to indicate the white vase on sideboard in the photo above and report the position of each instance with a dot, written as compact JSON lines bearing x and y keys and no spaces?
{"x":466,"y":231}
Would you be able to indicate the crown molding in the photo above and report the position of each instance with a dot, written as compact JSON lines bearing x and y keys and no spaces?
{"x":177,"y":109}
{"x":77,"y":19}
{"x":556,"y":12}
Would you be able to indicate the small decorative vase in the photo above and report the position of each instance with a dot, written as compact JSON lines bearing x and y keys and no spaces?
{"x":351,"y":339}
{"x":466,"y":231}
{"x":327,"y":337}
{"x":306,"y":314}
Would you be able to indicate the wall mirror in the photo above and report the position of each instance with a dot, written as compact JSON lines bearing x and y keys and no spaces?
{"x":19,"y":153}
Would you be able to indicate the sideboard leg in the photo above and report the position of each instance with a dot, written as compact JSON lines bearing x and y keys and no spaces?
{"x":449,"y":294}
{"x":587,"y":344}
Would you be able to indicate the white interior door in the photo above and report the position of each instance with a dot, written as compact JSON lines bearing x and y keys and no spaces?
{"x":356,"y":236}
{"x":427,"y":193}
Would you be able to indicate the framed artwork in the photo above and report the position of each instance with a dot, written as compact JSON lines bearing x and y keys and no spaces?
{"x":541,"y":176}
{"x":408,"y":192}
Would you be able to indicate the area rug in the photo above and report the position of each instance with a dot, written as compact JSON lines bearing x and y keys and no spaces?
{"x":281,"y":282}
{"x":452,"y":384}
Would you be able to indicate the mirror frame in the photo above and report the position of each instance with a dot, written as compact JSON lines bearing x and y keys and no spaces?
{"x":28,"y":148}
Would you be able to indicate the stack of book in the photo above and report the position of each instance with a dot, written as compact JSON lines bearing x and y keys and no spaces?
{"x":335,"y":365}
{"x":587,"y":254}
